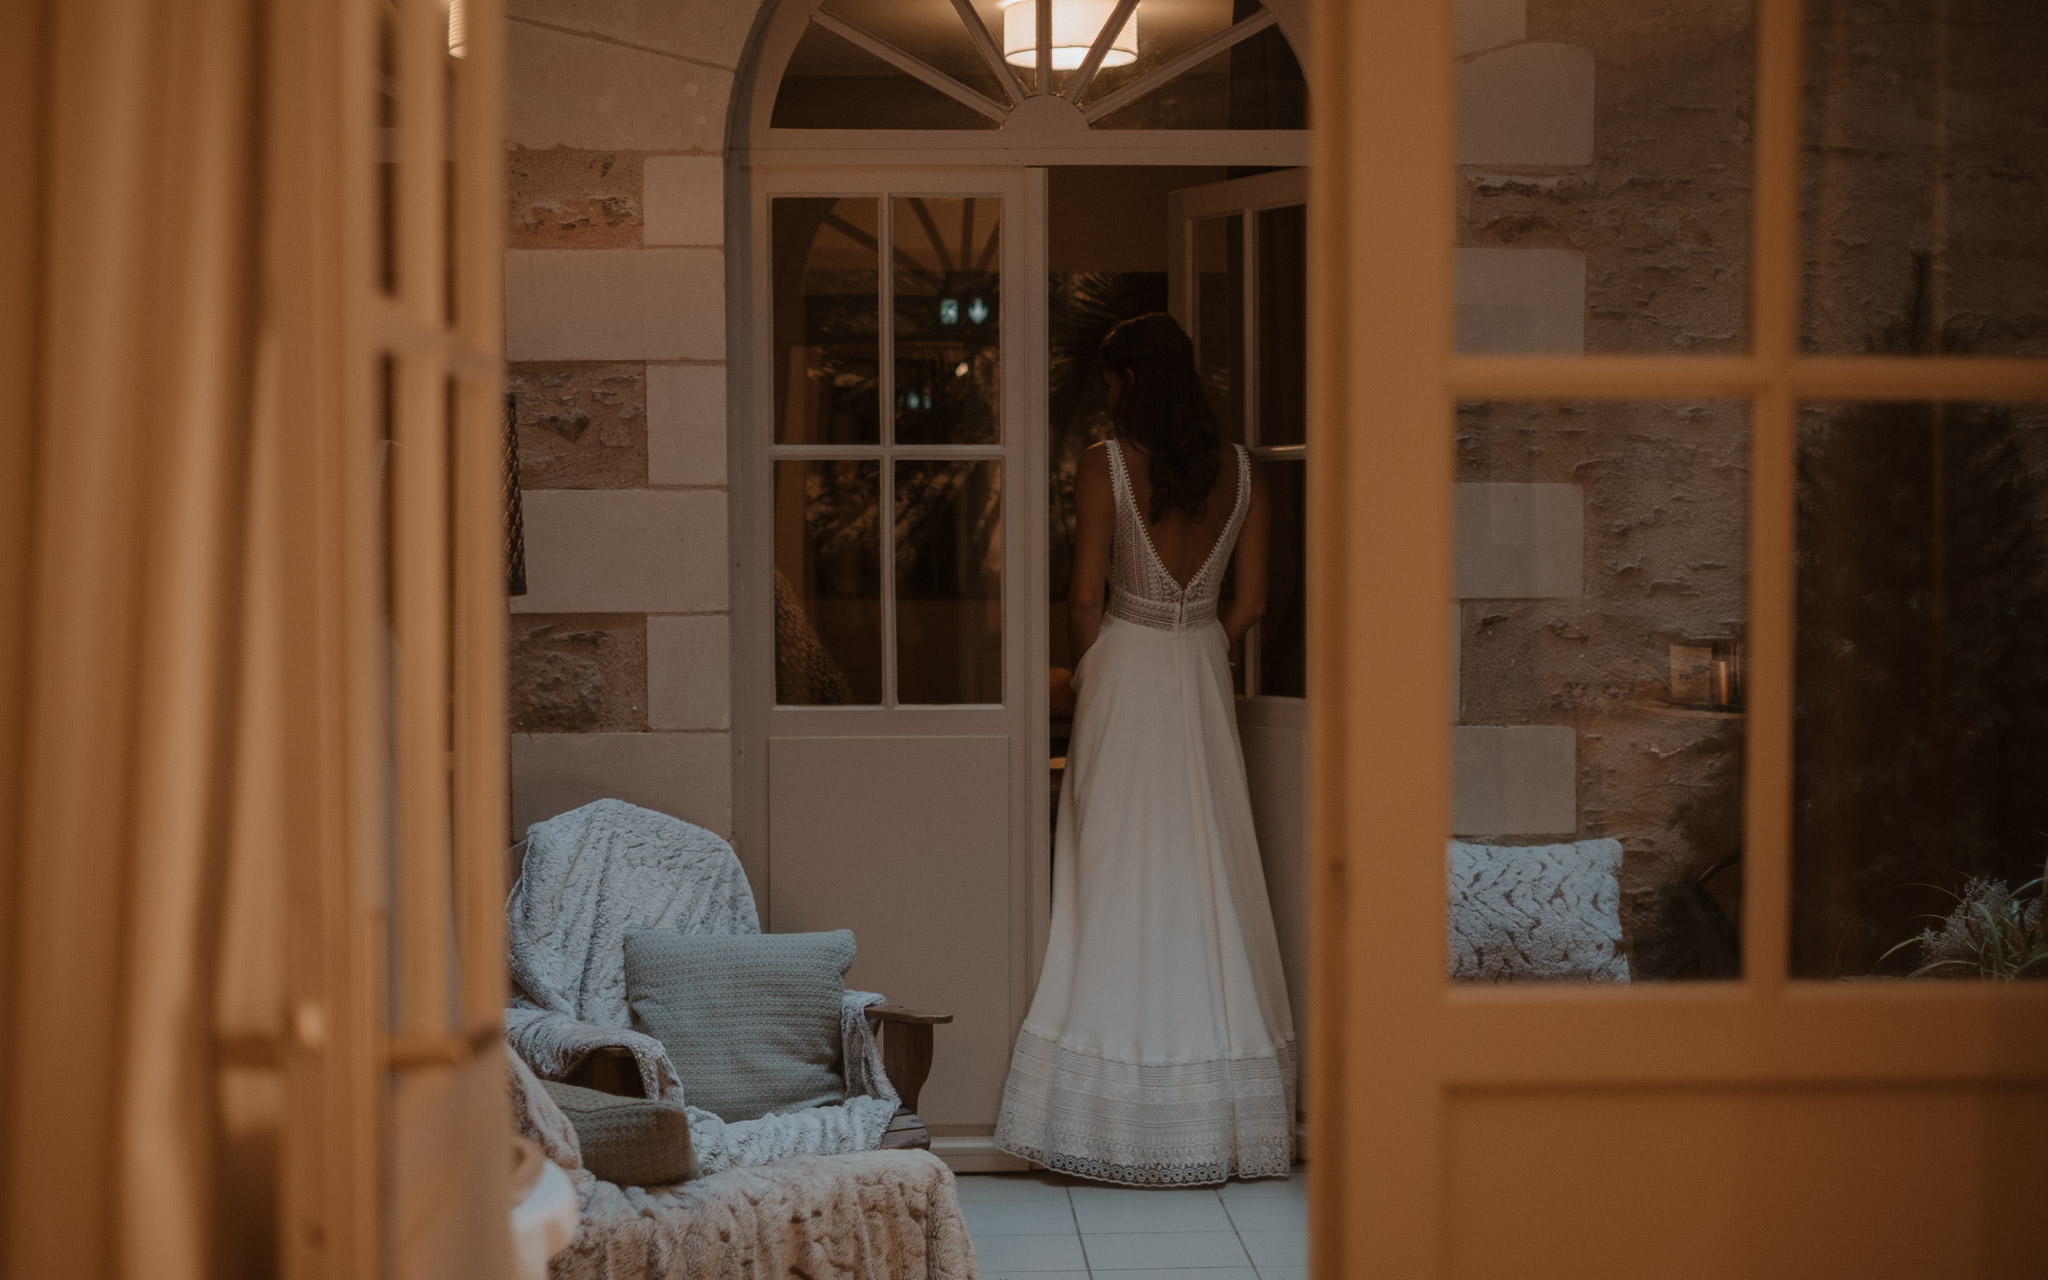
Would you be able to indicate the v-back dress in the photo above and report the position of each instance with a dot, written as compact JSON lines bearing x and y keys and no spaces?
{"x":1159,"y":1049}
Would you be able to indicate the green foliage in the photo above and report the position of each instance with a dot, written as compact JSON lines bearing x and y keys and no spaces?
{"x":1994,"y":932}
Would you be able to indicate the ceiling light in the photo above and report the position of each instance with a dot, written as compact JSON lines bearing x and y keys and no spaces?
{"x":1075,"y":24}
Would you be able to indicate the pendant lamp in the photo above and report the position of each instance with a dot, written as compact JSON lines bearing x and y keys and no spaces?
{"x":1075,"y":24}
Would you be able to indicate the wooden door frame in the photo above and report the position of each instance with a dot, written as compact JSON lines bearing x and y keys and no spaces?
{"x":1401,"y":1038}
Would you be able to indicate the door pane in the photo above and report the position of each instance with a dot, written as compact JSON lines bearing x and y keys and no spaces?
{"x":1920,"y":764}
{"x":1597,"y":704}
{"x":828,"y":583}
{"x":1283,"y":325}
{"x":1603,"y":187}
{"x":1926,"y":167}
{"x":1283,"y":632}
{"x":949,"y":582}
{"x":1219,"y":317}
{"x":949,"y":318}
{"x":827,"y":318}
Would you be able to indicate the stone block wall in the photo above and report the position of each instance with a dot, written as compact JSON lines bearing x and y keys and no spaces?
{"x":616,"y":117}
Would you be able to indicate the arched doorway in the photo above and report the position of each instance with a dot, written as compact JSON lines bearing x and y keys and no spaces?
{"x":929,"y":205}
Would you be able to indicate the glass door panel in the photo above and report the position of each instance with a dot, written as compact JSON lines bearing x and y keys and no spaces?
{"x":827,"y":353}
{"x":1921,"y":725}
{"x":1600,"y":599}
{"x":907,"y":610}
{"x":828,"y":582}
{"x":949,"y":582}
{"x":948,"y":320}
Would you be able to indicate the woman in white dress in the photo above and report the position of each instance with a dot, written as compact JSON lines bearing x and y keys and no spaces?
{"x":1159,"y":1050}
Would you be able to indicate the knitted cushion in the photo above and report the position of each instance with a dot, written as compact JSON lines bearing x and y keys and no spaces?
{"x":633,"y":1142}
{"x":1536,"y":911}
{"x":751,"y":1021}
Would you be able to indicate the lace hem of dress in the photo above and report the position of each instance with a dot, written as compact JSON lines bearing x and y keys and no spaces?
{"x":1147,"y":1124}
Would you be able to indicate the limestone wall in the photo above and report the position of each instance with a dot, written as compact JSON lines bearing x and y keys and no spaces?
{"x":615,"y":328}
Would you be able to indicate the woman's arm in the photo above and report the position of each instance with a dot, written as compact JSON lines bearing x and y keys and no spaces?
{"x":1248,"y":566}
{"x":1094,"y":510}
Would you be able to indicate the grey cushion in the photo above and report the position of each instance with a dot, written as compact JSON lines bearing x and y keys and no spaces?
{"x":633,"y":1142}
{"x":751,"y":1020}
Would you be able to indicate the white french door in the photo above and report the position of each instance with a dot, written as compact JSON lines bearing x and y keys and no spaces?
{"x":1238,"y":285}
{"x":890,"y":575}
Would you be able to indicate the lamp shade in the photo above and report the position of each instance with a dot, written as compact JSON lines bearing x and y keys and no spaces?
{"x":1075,"y":24}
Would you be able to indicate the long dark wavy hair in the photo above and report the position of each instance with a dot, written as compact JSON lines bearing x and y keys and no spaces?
{"x":1164,"y":413}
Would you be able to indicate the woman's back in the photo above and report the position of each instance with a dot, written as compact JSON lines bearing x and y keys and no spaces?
{"x":1183,"y":542}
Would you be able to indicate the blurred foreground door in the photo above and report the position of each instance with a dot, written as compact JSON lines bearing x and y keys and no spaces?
{"x":1814,"y":1109}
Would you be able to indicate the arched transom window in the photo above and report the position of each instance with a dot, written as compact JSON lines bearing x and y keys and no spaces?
{"x":1064,"y":72}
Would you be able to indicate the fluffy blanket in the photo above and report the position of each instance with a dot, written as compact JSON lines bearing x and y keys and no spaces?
{"x":875,"y":1215}
{"x":594,"y":873}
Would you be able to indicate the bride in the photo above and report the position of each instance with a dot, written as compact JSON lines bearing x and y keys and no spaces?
{"x":1159,"y":1050}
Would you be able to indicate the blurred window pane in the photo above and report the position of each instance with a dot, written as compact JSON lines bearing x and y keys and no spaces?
{"x":1926,"y":167}
{"x":949,"y":582}
{"x":1219,"y":316}
{"x":1283,"y":632}
{"x":1920,"y":761}
{"x":1604,"y":175}
{"x":827,"y":312}
{"x":1283,"y":325}
{"x":949,"y":315}
{"x":828,"y":583}
{"x":1601,"y":578}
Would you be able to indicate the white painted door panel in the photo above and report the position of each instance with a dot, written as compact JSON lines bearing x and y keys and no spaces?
{"x":906,"y":841}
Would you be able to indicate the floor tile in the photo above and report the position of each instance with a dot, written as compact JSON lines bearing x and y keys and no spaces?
{"x":1164,"y":1250}
{"x":1276,"y":1248}
{"x":1009,"y":1186}
{"x":1268,"y":1213}
{"x":1154,"y":1211}
{"x":1012,"y":1217}
{"x":997,"y":1254}
{"x":1043,"y":1275}
{"x":1273,"y":1273}
{"x":1178,"y":1273}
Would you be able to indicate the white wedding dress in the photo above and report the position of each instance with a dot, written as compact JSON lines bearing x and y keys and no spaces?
{"x":1159,"y":1050}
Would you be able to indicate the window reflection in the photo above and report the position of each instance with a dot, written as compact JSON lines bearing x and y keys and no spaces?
{"x":1921,"y":714}
{"x":949,"y":582}
{"x":949,"y":318}
{"x":827,"y":317}
{"x":828,"y":583}
{"x":1597,"y":784}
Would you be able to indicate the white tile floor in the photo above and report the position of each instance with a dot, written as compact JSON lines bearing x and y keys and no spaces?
{"x":1039,"y":1226}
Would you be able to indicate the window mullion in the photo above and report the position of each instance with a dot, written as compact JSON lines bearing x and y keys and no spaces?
{"x":885,"y":515}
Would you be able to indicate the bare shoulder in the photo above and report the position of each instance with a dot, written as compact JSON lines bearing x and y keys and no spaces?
{"x":1094,"y":464}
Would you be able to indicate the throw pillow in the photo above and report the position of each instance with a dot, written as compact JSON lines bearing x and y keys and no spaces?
{"x":750,"y":1020}
{"x":634,"y":1142}
{"x":1536,"y":911}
